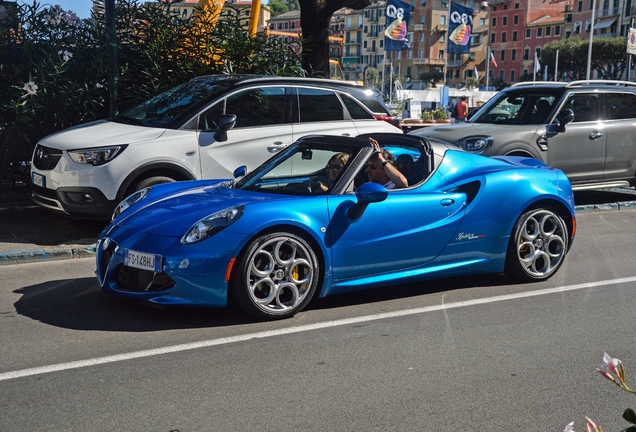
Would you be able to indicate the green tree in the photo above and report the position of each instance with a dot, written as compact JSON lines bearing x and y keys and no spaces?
{"x":432,"y":77}
{"x":277,"y":7}
{"x":372,"y":78}
{"x":608,"y":57}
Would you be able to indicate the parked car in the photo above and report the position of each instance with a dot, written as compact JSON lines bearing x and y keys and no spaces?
{"x":202,"y":129}
{"x":271,"y":241}
{"x":585,"y":128}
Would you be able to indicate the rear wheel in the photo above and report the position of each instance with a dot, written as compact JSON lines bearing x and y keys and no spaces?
{"x":275,"y":277}
{"x":538,"y":245}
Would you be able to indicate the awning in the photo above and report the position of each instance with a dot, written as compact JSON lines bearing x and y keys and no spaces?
{"x":604,"y":23}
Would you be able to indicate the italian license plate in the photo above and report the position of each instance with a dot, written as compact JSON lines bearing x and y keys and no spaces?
{"x":37,"y":179}
{"x":143,"y":261}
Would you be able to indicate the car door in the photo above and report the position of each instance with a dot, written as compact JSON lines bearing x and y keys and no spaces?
{"x":407,"y":230}
{"x":620,"y":154}
{"x":319,"y":111}
{"x":263,"y":128}
{"x":580,"y":151}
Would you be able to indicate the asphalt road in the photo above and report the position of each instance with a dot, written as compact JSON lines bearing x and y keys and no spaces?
{"x":464,"y":354}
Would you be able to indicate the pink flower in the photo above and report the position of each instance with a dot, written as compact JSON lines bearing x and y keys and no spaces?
{"x":613,"y":370}
{"x":591,"y":426}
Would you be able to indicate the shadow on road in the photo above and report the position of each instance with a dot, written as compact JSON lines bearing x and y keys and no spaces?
{"x":80,"y":304}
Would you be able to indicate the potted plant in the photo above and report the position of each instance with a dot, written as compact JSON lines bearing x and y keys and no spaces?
{"x":427,"y":117}
{"x":440,"y":115}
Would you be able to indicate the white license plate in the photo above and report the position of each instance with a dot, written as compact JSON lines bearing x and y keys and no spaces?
{"x":37,"y":179}
{"x":141,"y":260}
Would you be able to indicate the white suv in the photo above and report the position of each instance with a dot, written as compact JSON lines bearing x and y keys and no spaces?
{"x":202,"y":129}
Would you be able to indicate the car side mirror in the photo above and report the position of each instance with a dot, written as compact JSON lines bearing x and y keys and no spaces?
{"x":224,"y":123}
{"x":366,"y":194}
{"x":564,"y":117}
{"x":240,"y":171}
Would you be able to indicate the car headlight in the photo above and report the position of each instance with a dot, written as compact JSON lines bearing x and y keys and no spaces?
{"x":123,"y":206}
{"x":96,"y":156}
{"x":212,"y":224}
{"x":475,"y":144}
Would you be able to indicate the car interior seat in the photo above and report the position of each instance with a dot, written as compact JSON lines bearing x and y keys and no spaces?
{"x":404,"y":164}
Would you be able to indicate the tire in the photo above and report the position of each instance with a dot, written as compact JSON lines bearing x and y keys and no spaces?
{"x":275,"y":277}
{"x":537,"y":246}
{"x":151,"y":181}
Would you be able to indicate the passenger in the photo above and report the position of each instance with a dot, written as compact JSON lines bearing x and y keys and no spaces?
{"x":332,"y":169}
{"x":380,"y":169}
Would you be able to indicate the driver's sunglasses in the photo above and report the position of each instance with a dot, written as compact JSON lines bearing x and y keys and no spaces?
{"x":334,"y":166}
{"x":370,"y":165}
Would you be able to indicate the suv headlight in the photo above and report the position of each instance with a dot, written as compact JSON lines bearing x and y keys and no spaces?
{"x":475,"y":144}
{"x":96,"y":156}
{"x":212,"y":224}
{"x":137,"y":196}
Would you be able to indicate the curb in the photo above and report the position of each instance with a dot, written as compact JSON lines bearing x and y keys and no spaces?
{"x":21,"y":257}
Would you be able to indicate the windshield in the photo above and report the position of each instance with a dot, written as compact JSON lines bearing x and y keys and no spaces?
{"x":309,"y":169}
{"x":519,"y":107}
{"x":167,"y":107}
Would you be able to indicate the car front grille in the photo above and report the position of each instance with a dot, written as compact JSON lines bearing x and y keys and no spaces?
{"x":133,"y":279}
{"x":45,"y":158}
{"x":44,"y":192}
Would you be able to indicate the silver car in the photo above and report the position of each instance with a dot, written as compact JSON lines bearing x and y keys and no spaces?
{"x":585,"y":128}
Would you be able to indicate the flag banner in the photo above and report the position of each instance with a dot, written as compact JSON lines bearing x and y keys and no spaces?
{"x":492,"y":59}
{"x":476,"y":74}
{"x":397,"y":18}
{"x":459,"y":28}
{"x":537,"y":65}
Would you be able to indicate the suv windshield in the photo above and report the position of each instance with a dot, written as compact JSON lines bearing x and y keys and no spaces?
{"x":518,"y":107}
{"x":163,"y":109}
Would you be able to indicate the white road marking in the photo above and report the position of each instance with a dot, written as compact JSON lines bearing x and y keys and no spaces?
{"x":265,"y":334}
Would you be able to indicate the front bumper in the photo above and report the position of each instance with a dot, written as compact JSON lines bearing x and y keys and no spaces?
{"x":82,"y":202}
{"x":190,"y":274}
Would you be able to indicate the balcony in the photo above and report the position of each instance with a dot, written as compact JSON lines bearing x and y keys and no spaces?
{"x":428,"y":61}
{"x":441,"y":28}
{"x":419,"y":27}
{"x":454,"y":63}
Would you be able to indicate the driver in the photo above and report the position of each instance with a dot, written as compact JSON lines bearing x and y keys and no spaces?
{"x":333,"y":169}
{"x":380,"y":168}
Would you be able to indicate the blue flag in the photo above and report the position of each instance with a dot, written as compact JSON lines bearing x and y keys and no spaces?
{"x":397,"y":18}
{"x":459,"y":29}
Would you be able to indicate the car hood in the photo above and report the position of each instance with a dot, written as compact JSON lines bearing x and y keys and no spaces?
{"x":173,"y":214}
{"x":100,"y":133}
{"x":454,"y":132}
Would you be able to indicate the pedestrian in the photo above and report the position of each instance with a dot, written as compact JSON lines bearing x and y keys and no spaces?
{"x":462,"y":110}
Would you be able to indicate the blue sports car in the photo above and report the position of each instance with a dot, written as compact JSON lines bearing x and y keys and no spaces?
{"x":308,"y":223}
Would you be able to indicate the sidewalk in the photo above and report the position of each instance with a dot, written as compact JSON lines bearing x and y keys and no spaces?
{"x":28,"y":233}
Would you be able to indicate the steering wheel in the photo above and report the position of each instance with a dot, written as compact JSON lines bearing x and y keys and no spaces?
{"x":317,"y":183}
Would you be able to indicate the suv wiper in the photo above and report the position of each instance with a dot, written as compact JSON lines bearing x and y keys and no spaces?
{"x":127,"y":120}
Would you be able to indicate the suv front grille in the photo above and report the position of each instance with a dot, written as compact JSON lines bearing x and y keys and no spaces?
{"x":44,"y":192}
{"x":45,"y":158}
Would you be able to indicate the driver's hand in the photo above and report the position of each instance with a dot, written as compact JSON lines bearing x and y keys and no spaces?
{"x":317,"y":186}
{"x":376,"y":145}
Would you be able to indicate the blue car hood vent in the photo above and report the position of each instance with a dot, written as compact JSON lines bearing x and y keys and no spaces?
{"x":174,"y":214}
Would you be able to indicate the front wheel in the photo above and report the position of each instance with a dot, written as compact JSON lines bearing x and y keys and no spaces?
{"x":538,"y":245}
{"x":275,"y":277}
